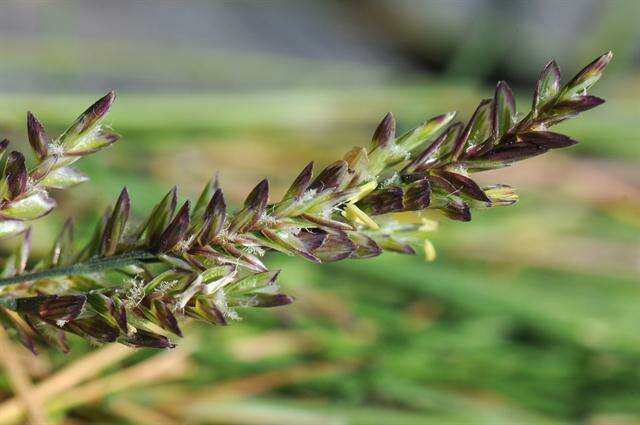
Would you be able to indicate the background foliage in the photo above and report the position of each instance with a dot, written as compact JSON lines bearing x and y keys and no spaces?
{"x":529,"y":313}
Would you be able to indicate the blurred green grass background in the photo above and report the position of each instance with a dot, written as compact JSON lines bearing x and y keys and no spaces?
{"x":529,"y":314}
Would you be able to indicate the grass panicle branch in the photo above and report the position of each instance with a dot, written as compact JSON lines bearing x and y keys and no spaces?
{"x":205,"y":262}
{"x":24,"y":194}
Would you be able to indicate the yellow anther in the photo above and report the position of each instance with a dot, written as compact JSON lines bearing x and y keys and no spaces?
{"x":428,"y":225}
{"x":365,"y":189}
{"x":429,"y":250}
{"x":355,"y":214}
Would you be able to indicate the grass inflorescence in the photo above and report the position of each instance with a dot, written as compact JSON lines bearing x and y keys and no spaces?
{"x":204,"y":261}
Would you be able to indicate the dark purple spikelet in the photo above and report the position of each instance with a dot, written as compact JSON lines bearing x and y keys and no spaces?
{"x":506,"y":154}
{"x":94,"y":328}
{"x":464,"y":184}
{"x":258,"y":198}
{"x":440,"y":184}
{"x":52,"y":308}
{"x":366,"y":247}
{"x":311,"y":239}
{"x":159,"y":218}
{"x":386,"y":200}
{"x":577,"y":105}
{"x":445,"y":150}
{"x":547,"y":139}
{"x":503,"y":110}
{"x":417,"y":195}
{"x":429,"y":155}
{"x":254,"y":208}
{"x":385,"y":133}
{"x":214,"y":218}
{"x":477,"y":130}
{"x":295,"y":244}
{"x":16,"y":175}
{"x":205,"y":309}
{"x":53,"y":335}
{"x":203,"y":200}
{"x":118,"y":311}
{"x":166,"y":319}
{"x":38,"y":138}
{"x":3,"y":145}
{"x":301,"y":183}
{"x":115,"y":225}
{"x":96,"y":112}
{"x":102,"y":139}
{"x":335,"y":246}
{"x":331,"y":177}
{"x":271,"y":300}
{"x":176,"y":230}
{"x":327,"y":222}
{"x":457,"y":210}
{"x":592,"y":72}
{"x":89,"y":119}
{"x":18,"y":325}
{"x":249,"y":260}
{"x":146,"y":339}
{"x":110,"y":308}
{"x":547,"y":87}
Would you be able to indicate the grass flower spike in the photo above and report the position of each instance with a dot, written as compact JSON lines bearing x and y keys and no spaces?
{"x":205,"y":261}
{"x":24,"y":193}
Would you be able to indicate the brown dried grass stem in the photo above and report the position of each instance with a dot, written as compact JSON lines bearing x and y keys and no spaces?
{"x":20,"y":381}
